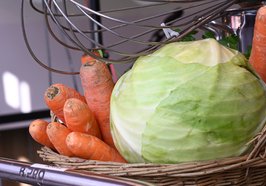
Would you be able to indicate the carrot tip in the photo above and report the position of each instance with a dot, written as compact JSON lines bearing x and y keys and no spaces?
{"x":52,"y":91}
{"x":89,"y":63}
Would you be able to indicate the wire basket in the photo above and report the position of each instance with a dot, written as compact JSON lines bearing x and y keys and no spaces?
{"x":249,"y":169}
{"x":125,"y":33}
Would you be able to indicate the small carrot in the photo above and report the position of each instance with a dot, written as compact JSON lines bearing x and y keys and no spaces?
{"x":90,"y":147}
{"x":258,"y":52}
{"x":57,"y":134}
{"x":98,"y":85}
{"x":80,"y":118}
{"x":56,"y":95}
{"x":37,"y":130}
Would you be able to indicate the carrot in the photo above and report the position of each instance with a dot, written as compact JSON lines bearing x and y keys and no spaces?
{"x":80,"y":118}
{"x":98,"y":85}
{"x":37,"y":130}
{"x":56,"y":95}
{"x":57,"y":134}
{"x":90,"y":147}
{"x":86,"y":58}
{"x":258,"y":52}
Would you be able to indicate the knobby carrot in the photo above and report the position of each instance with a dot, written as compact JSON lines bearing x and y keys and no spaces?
{"x":37,"y":130}
{"x":97,"y":85}
{"x":80,"y":118}
{"x":57,"y":134}
{"x":258,"y":52}
{"x":86,"y":58}
{"x":90,"y":147}
{"x":56,"y":95}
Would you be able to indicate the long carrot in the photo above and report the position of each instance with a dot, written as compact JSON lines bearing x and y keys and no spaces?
{"x":57,"y":134}
{"x":258,"y":52}
{"x":37,"y":130}
{"x":86,"y":58}
{"x":90,"y":147}
{"x":56,"y":95}
{"x":80,"y":118}
{"x":98,"y":85}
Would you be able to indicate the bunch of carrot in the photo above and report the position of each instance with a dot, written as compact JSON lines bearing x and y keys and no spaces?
{"x":83,"y":126}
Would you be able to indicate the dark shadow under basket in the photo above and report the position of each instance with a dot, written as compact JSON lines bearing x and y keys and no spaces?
{"x":248,"y":169}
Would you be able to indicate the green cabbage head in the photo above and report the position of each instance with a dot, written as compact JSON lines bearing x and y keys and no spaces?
{"x":188,"y":101}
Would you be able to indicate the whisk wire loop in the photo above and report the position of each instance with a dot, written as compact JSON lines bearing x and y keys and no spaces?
{"x":131,"y":35}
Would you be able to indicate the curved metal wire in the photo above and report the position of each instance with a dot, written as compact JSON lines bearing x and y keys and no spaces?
{"x":78,"y":38}
{"x":42,"y":64}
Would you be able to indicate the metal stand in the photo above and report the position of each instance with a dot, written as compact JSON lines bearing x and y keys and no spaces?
{"x":97,"y":36}
{"x":39,"y":174}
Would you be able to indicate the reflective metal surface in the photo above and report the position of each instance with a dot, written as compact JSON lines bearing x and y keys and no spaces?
{"x":39,"y":174}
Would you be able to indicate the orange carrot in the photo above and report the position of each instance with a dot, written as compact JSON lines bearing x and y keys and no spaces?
{"x":56,"y":95}
{"x":98,"y":85}
{"x":90,"y":147}
{"x":258,"y":52}
{"x":57,"y":134}
{"x":37,"y":130}
{"x":86,"y":58}
{"x":80,"y":118}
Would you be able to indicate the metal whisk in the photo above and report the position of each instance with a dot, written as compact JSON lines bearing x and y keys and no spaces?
{"x":130,"y":38}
